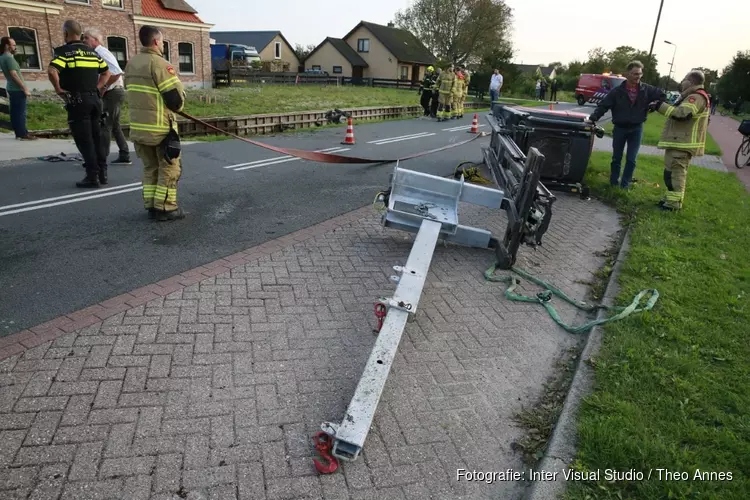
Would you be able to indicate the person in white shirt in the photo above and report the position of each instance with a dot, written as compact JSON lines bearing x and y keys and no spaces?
{"x":496,"y":83}
{"x":113,"y":97}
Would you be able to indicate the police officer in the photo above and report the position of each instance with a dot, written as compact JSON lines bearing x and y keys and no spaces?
{"x":78,"y":75}
{"x":425,"y":89}
{"x":154,"y":94}
{"x":683,"y":136}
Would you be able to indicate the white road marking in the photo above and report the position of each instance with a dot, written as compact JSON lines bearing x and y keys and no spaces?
{"x":327,"y":150}
{"x":418,"y":136}
{"x":75,"y":200}
{"x":76,"y":195}
{"x":462,"y":127}
{"x":288,"y":159}
{"x":400,"y":137}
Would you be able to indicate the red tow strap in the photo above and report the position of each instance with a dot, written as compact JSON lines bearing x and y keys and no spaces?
{"x":323,"y":157}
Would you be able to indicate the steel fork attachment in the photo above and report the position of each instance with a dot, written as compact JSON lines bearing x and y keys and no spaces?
{"x":428,"y":206}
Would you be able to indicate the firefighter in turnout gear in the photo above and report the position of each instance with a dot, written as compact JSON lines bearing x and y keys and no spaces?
{"x":445,"y":90}
{"x":425,"y":89}
{"x":435,"y":95}
{"x":79,"y":75}
{"x":684,"y":135}
{"x":154,"y":94}
{"x":458,"y":95}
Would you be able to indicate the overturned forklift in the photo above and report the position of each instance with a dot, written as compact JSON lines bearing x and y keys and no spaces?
{"x":427,"y":205}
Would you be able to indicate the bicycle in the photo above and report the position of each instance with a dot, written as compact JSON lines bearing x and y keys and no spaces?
{"x":742,"y":157}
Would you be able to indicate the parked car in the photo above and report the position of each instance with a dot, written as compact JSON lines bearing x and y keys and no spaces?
{"x":672,"y":96}
{"x":592,"y":87}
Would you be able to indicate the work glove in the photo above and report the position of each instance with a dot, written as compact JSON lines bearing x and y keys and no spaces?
{"x":654,"y":106}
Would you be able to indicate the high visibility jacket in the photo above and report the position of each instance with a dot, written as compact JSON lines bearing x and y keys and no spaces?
{"x":445,"y":82}
{"x":428,"y":83}
{"x":687,"y":122}
{"x":153,"y":88}
{"x":467,"y":79}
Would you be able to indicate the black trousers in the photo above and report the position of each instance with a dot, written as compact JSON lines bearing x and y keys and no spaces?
{"x":434,"y":106}
{"x":84,"y":119}
{"x":425,"y":101}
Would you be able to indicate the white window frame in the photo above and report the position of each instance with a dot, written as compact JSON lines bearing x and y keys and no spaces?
{"x":277,"y":50}
{"x":403,"y":77}
{"x":192,"y":57}
{"x":114,"y":7}
{"x":168,"y":52}
{"x":36,"y":43}
{"x":127,"y":54}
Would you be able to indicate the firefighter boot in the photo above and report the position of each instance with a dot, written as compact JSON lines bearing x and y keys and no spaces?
{"x":171,"y":215}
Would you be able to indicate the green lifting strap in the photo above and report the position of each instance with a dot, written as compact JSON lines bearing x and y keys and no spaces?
{"x":545,"y":297}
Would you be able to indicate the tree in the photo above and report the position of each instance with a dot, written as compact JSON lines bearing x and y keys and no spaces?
{"x":735,"y":80}
{"x":458,"y":31}
{"x":302,"y":52}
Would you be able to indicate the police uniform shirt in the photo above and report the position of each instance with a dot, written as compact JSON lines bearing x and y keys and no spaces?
{"x":79,"y":67}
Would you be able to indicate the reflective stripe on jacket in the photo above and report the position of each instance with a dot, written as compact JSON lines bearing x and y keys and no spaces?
{"x":445,"y":81}
{"x":687,"y":122}
{"x":147,"y":76}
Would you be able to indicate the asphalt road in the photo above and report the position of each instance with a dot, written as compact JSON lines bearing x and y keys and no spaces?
{"x":63,"y":248}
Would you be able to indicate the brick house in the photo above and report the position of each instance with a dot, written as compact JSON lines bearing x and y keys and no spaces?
{"x":36,"y":26}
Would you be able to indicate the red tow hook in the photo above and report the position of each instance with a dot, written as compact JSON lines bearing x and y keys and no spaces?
{"x":324,"y":447}
{"x":380,"y":313}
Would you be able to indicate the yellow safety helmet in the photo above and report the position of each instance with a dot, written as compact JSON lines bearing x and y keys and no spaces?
{"x":430,"y":68}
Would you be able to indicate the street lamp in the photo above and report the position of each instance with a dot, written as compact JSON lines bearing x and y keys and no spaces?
{"x":671,"y":65}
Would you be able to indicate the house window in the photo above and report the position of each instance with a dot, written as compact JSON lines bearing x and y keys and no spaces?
{"x":363,"y":45}
{"x":117,"y":4}
{"x":277,"y":50}
{"x":185,"y":51}
{"x":337,"y":69}
{"x":27,"y":48}
{"x":404,"y":72}
{"x":84,"y":2}
{"x":316,"y":67}
{"x":165,"y":48}
{"x":119,"y":48}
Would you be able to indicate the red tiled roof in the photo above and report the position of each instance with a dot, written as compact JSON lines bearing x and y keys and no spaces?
{"x":152,"y":8}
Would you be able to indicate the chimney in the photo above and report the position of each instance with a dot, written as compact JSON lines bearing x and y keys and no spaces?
{"x":390,"y":25}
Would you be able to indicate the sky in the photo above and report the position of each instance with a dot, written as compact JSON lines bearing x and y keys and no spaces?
{"x":544,"y":31}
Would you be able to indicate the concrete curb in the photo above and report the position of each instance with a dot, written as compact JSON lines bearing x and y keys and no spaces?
{"x":562,"y":446}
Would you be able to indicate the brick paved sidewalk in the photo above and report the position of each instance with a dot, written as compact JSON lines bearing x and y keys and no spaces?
{"x":211,"y":384}
{"x":724,"y":131}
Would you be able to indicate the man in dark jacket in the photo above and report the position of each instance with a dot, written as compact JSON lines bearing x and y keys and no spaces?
{"x":629,"y":104}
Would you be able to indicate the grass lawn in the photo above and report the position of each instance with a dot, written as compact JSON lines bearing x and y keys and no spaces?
{"x":652,"y":131}
{"x":671,"y":385}
{"x":249,"y":101}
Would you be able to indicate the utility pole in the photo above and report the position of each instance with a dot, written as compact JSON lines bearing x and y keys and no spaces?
{"x":671,"y":65}
{"x":656,"y":28}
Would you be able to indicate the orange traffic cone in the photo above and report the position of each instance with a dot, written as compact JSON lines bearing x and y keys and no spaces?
{"x":551,"y":107}
{"x":349,"y":133}
{"x":474,"y":125}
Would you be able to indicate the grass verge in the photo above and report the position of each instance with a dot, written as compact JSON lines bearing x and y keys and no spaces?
{"x":48,"y":112}
{"x":652,"y":131}
{"x":671,"y":384}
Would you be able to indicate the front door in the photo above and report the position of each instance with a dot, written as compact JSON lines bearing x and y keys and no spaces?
{"x":415,"y":74}
{"x":357,"y":72}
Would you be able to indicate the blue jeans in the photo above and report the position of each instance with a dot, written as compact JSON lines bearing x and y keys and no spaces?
{"x":17,"y":101}
{"x":494,"y":95}
{"x":620,"y":137}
